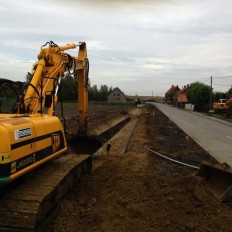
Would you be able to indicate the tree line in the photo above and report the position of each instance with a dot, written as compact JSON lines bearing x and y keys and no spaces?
{"x":199,"y":94}
{"x":68,"y":89}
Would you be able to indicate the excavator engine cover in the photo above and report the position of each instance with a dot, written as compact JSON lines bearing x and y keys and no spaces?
{"x":27,"y":142}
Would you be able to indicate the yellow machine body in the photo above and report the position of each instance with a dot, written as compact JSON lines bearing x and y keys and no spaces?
{"x":223,"y":105}
{"x":28,"y":142}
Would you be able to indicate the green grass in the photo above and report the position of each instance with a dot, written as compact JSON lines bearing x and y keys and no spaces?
{"x":219,"y":116}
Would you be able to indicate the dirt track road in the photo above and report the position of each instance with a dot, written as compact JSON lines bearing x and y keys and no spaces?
{"x":136,"y":191}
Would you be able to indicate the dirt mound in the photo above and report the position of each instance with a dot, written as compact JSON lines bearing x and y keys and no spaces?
{"x":137,"y":191}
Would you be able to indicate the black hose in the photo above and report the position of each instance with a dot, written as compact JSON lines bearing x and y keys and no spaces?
{"x":70,"y":63}
{"x":61,"y":106}
{"x":87,"y":73}
{"x":51,"y":43}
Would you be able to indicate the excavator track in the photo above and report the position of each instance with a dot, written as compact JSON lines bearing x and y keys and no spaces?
{"x":25,"y":206}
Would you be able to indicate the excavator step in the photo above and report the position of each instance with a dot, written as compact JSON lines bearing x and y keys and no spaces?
{"x":25,"y":206}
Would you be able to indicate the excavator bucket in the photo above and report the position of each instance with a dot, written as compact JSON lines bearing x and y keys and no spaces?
{"x":219,"y":179}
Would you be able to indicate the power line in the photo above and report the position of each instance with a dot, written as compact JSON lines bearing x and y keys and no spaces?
{"x":221,"y":85}
{"x":223,"y":77}
{"x":206,"y":80}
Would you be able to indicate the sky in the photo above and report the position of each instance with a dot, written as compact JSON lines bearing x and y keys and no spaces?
{"x":141,"y":46}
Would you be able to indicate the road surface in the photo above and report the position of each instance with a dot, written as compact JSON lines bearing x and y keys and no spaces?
{"x":214,"y":136}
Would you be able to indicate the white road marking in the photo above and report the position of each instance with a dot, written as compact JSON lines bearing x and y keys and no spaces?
{"x":229,"y":137}
{"x":201,"y":124}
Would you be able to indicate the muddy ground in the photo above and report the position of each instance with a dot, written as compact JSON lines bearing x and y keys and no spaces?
{"x":98,"y":115}
{"x":131,"y":189}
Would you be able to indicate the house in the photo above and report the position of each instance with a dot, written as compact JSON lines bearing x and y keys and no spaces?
{"x":116,"y":96}
{"x":181,"y":97}
{"x":170,"y":95}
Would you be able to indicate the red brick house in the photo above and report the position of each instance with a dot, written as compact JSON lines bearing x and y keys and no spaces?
{"x":181,"y":97}
{"x":170,"y":95}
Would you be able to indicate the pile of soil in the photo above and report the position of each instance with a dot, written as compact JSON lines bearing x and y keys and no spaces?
{"x":135,"y":190}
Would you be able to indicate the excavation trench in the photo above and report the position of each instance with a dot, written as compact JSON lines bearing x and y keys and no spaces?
{"x":92,"y":143}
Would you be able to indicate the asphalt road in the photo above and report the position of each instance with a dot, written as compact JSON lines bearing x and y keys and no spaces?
{"x":215,"y":136}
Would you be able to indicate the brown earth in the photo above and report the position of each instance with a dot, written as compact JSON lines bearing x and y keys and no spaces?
{"x":98,"y":115}
{"x":131,"y":189}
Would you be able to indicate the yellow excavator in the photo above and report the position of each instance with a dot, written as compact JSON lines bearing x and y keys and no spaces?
{"x":31,"y":134}
{"x":222,"y":106}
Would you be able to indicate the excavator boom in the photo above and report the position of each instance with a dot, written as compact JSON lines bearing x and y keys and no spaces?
{"x":40,"y":94}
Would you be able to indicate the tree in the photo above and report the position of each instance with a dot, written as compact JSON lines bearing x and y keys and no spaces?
{"x":28,"y":77}
{"x":103,"y":92}
{"x":218,"y":95}
{"x":199,"y":95}
{"x":93,"y":93}
{"x":229,"y":93}
{"x":68,"y":88}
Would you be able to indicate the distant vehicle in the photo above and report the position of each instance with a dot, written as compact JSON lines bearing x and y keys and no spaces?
{"x":222,"y":106}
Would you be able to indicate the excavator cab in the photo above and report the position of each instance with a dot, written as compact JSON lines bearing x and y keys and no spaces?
{"x":10,"y":92}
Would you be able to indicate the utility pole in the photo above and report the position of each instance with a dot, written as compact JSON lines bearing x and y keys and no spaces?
{"x":211,"y":93}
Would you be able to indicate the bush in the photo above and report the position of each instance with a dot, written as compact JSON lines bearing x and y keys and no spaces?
{"x":199,"y":95}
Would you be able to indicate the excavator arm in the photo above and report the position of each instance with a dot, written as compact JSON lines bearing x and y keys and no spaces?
{"x":40,"y":94}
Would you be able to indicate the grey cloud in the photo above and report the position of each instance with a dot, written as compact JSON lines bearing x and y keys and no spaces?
{"x":139,"y":46}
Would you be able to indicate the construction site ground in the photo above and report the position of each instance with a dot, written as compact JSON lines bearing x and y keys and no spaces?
{"x":131,"y":189}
